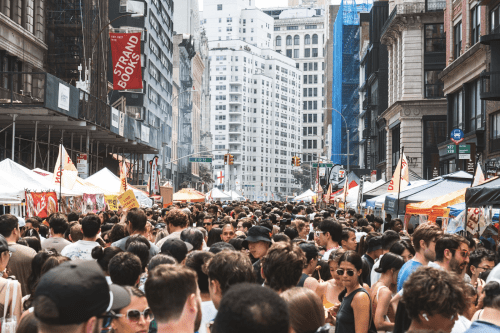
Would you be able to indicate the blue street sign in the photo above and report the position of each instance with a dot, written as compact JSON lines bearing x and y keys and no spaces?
{"x":457,"y":135}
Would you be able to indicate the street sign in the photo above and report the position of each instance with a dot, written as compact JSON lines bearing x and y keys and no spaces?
{"x":457,"y":136}
{"x":323,"y":165}
{"x":464,"y":149}
{"x":200,"y":159}
{"x":464,"y":156}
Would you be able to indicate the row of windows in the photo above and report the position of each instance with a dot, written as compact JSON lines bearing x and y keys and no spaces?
{"x":296,"y":53}
{"x":296,"y":40}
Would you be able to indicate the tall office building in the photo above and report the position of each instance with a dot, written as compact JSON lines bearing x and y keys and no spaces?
{"x":255,"y":101}
{"x":299,"y":33}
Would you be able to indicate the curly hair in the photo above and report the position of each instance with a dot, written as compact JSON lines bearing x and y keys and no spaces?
{"x":177,"y":218}
{"x":282,"y":265}
{"x":229,"y":268}
{"x":434,"y":291}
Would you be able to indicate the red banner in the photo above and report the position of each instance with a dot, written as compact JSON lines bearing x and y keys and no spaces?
{"x":41,"y":204}
{"x":126,"y":54}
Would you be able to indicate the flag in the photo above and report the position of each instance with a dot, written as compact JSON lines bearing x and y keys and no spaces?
{"x":401,"y":179}
{"x":68,"y":173}
{"x":479,"y":176}
{"x":123,"y":177}
{"x":328,"y":193}
{"x":346,"y":187}
{"x":126,"y":56}
{"x":220,"y":177}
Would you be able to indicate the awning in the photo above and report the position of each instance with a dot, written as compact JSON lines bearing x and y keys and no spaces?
{"x":486,"y":194}
{"x":378,"y":201}
{"x":435,"y":188}
{"x":436,"y":207}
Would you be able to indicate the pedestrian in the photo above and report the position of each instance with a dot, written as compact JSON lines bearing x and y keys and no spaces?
{"x":58,"y":226}
{"x":305,"y":310}
{"x":258,"y":242}
{"x":135,"y":317}
{"x":383,"y":290}
{"x":250,"y":308}
{"x":82,"y":249}
{"x":354,"y":313}
{"x":433,"y":299}
{"x":174,"y":297}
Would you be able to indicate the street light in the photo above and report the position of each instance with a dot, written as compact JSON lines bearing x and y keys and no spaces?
{"x":347,"y":131}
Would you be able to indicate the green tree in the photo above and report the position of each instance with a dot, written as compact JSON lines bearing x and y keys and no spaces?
{"x":303,"y":175}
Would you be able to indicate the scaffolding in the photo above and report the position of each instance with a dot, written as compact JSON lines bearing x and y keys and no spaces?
{"x":75,"y":37}
{"x":345,"y":96}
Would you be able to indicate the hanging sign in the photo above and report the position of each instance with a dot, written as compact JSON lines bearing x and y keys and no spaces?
{"x":126,"y":54}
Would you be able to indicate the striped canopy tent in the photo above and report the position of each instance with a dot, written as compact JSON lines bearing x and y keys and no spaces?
{"x":436,"y":207}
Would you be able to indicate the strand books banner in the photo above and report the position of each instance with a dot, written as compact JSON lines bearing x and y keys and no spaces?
{"x":126,"y":55}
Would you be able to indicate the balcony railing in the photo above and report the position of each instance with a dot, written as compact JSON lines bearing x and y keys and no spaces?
{"x":435,"y":5}
{"x":22,"y":88}
{"x":490,"y":86}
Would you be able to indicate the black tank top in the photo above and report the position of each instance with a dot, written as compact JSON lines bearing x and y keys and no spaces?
{"x":345,"y":316}
{"x":303,"y":278}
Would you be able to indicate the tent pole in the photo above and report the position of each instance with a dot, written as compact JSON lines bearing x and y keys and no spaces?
{"x":36,"y":143}
{"x":400,"y":171}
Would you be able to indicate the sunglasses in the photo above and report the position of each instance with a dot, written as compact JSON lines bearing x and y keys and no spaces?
{"x":318,"y":233}
{"x":349,"y":272}
{"x":465,"y":254}
{"x":135,"y":315}
{"x":207,"y":223}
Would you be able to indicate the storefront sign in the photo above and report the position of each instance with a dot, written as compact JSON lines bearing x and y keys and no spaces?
{"x":126,"y":54}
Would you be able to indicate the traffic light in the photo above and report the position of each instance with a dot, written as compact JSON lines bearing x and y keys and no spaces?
{"x":297,"y":161}
{"x":293,"y":160}
{"x":226,"y":158}
{"x":231,"y":159}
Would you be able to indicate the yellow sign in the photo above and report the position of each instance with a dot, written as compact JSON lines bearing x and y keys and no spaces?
{"x":128,"y":200}
{"x":112,"y":201}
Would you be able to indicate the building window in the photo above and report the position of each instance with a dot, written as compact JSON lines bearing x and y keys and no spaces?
{"x":276,"y":28}
{"x":495,"y":132}
{"x":433,"y":85}
{"x":457,"y":111}
{"x":296,"y":40}
{"x":307,"y":40}
{"x":311,"y":27}
{"x":457,"y":40}
{"x":293,"y":27}
{"x":476,"y":106}
{"x":296,"y":54}
{"x":495,"y":19}
{"x":475,"y":30}
{"x":307,"y":53}
{"x":219,"y":7}
{"x":315,"y":39}
{"x":289,"y":53}
{"x":278,"y":41}
{"x":396,"y":146}
{"x":315,"y":53}
{"x":288,"y":40}
{"x":435,"y":38}
{"x":382,"y":144}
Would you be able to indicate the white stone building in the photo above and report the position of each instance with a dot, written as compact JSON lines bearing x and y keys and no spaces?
{"x":255,"y":101}
{"x":300,"y":33}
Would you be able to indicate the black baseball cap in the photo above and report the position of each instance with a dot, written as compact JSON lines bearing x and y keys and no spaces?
{"x":258,"y":234}
{"x":309,"y":249}
{"x":79,"y":291}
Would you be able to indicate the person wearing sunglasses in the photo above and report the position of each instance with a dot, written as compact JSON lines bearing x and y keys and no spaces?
{"x":480,"y":260}
{"x":208,"y":222}
{"x":354,"y":314}
{"x":452,"y":254}
{"x":433,"y":299}
{"x":135,"y":317}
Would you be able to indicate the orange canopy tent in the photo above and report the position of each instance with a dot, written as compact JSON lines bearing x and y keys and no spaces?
{"x":189,"y":195}
{"x":436,"y":207}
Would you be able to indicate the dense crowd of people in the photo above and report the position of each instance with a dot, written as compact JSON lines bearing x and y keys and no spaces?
{"x":243,"y":267}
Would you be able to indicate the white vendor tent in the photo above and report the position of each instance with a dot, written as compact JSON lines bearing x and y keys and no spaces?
{"x":16,"y":179}
{"x":110,"y":183}
{"x":217,"y":195}
{"x":353,"y":193}
{"x":306,"y":196}
{"x":235,"y":196}
{"x":81,"y":186}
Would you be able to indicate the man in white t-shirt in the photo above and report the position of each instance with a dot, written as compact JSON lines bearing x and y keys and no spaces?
{"x":329,"y":235}
{"x":82,"y":249}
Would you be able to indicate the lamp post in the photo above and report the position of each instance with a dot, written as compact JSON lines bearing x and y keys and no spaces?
{"x":347,"y":131}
